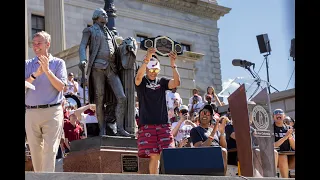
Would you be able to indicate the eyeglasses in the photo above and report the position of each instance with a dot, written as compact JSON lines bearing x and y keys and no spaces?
{"x":154,"y":70}
{"x":278,"y":112}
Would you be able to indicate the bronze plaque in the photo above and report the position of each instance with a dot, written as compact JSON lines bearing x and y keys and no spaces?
{"x":163,"y":44}
{"x":129,"y":163}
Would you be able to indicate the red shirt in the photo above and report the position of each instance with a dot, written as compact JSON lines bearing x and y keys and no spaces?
{"x":72,"y":132}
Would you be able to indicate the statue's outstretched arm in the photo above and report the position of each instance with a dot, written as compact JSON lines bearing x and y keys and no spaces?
{"x":86,"y":33}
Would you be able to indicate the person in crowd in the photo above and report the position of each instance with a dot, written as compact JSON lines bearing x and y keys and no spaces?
{"x":208,"y":100}
{"x":196,"y":104}
{"x":208,"y":134}
{"x":72,"y":127}
{"x":136,"y":111}
{"x":195,"y":92}
{"x":284,"y":140}
{"x":173,"y":113}
{"x":154,"y":132}
{"x":171,"y":97}
{"x":195,"y":119}
{"x":73,"y":131}
{"x":214,"y":98}
{"x":289,"y":121}
{"x":44,"y":113}
{"x":91,"y":122}
{"x":72,"y":86}
{"x":181,"y":129}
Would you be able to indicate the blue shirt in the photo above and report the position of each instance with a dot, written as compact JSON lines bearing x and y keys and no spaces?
{"x":45,"y":92}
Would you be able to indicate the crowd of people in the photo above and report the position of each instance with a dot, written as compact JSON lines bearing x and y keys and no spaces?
{"x":163,"y":120}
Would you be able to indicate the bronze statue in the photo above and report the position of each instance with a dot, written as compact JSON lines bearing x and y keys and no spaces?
{"x":104,"y":84}
{"x":126,"y":56}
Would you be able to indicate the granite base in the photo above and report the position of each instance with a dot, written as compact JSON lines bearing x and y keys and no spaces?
{"x":102,"y":155}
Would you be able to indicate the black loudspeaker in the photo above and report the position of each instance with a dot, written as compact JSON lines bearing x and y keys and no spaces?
{"x":192,"y":161}
{"x":264,"y":43}
{"x":292,"y":48}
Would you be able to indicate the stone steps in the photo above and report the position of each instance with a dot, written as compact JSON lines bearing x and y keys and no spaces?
{"x":105,"y":176}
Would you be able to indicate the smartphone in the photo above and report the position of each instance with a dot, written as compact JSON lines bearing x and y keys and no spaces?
{"x":185,"y":115}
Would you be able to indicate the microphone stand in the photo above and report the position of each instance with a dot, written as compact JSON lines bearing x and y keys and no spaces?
{"x":257,"y":79}
{"x":267,"y":67}
{"x":248,"y":68}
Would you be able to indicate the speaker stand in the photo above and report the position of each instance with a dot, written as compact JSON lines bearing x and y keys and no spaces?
{"x":267,"y":67}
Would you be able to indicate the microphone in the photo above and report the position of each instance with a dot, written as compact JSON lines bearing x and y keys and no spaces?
{"x":242,"y":63}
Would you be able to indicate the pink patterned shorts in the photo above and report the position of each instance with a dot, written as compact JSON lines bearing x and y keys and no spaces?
{"x":153,"y":138}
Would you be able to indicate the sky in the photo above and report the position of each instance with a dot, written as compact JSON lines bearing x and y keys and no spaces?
{"x":237,"y":39}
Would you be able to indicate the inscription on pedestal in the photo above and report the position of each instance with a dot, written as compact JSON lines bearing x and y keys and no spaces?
{"x":129,"y":163}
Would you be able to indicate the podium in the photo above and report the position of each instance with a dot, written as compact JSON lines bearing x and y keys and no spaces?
{"x":250,"y":109}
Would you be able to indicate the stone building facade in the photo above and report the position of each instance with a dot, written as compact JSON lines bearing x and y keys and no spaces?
{"x":190,"y":22}
{"x":284,"y":100}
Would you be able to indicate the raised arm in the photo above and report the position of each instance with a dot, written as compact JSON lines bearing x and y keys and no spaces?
{"x":142,"y":69}
{"x":175,"y":130}
{"x":173,"y":83}
{"x":218,"y":100}
{"x":80,"y":110}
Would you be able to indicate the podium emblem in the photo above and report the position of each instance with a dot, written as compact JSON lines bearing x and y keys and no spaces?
{"x":260,"y":118}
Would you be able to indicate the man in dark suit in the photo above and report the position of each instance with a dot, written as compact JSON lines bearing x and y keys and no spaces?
{"x":103,"y":80}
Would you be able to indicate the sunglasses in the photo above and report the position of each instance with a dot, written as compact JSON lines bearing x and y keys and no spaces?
{"x":277,"y":112}
{"x":183,"y":112}
{"x":154,"y":70}
{"x":205,"y":112}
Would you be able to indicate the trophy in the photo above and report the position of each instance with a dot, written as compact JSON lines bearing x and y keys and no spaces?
{"x":163,"y":44}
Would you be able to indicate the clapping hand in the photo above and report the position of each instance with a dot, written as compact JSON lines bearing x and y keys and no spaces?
{"x":215,"y":126}
{"x":38,"y":72}
{"x":223,"y":123}
{"x":183,"y":142}
{"x":44,"y":63}
{"x":289,"y":133}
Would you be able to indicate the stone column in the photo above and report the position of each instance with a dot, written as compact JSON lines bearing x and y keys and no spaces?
{"x":26,"y":33}
{"x":54,"y":24}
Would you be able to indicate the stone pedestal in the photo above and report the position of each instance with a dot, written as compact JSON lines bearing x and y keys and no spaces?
{"x":102,"y":155}
{"x":54,"y":24}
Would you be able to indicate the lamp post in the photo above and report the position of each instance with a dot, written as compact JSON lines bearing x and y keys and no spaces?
{"x":111,"y":12}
